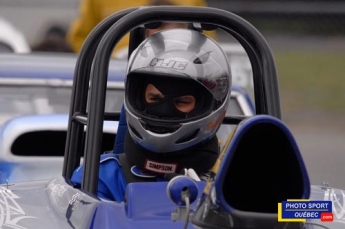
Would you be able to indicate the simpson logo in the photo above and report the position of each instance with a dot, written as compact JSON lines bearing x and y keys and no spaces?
{"x":158,"y":167}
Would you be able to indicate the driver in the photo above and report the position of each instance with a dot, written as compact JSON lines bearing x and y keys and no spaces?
{"x":177,"y":90}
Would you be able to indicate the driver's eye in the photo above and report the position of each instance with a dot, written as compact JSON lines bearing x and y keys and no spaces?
{"x":154,"y":98}
{"x":185,"y":103}
{"x":152,"y":94}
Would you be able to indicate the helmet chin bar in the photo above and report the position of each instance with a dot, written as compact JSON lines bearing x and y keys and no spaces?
{"x":196,"y":131}
{"x":159,"y":128}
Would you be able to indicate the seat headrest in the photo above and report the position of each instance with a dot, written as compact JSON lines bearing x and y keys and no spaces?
{"x":262,"y":167}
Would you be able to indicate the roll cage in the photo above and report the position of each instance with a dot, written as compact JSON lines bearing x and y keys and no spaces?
{"x":91,"y":72}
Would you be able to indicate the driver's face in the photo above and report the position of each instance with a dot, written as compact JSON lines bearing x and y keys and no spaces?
{"x":184,"y":103}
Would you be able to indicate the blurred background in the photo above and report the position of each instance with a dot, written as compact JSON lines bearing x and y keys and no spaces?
{"x":307,"y":38}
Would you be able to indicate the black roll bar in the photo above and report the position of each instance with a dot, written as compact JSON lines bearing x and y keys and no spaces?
{"x":74,"y":146}
{"x":261,"y":58}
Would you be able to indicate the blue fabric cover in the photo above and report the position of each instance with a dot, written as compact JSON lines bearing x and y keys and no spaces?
{"x":112,"y":183}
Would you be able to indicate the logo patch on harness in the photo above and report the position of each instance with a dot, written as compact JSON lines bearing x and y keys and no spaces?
{"x":159,"y":167}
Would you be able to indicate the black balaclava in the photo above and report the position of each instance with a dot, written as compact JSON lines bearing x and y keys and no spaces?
{"x":176,"y":87}
{"x":200,"y":157}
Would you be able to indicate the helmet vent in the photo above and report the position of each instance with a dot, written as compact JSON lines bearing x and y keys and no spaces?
{"x":135,"y":132}
{"x":202,"y":59}
{"x":144,"y":52}
{"x":159,"y":128}
{"x":188,"y":137}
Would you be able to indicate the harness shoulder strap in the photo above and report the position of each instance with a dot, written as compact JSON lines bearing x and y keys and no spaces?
{"x":121,"y":133}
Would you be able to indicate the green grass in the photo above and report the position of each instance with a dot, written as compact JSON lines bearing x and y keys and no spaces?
{"x":311,"y":80}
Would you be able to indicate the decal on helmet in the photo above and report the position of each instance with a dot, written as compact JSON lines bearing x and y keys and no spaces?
{"x":174,"y":64}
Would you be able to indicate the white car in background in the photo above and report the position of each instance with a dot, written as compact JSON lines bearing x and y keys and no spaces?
{"x":12,"y":39}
